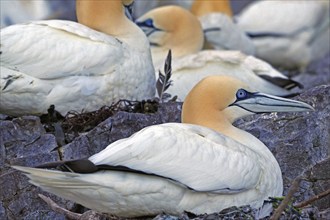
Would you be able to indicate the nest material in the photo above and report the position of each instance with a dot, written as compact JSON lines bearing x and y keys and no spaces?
{"x":78,"y":122}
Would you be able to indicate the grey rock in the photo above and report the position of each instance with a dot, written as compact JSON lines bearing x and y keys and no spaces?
{"x":20,"y":199}
{"x":3,"y":213}
{"x":23,"y":141}
{"x":320,"y":177}
{"x":299,"y":141}
{"x":44,"y":215}
{"x":317,"y":73}
{"x":92,"y":215}
{"x":165,"y":217}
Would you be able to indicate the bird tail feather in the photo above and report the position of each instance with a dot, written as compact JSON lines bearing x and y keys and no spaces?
{"x":52,"y":178}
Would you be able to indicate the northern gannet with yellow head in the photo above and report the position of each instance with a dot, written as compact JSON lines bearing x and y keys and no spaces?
{"x":171,"y":28}
{"x":75,"y":66}
{"x":290,"y":34}
{"x":221,"y":33}
{"x":201,"y":165}
{"x":175,"y":28}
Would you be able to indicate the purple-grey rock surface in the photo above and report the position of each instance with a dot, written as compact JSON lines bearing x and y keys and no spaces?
{"x":298,"y":141}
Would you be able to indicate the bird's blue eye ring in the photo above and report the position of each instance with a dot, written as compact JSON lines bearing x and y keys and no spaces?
{"x":241,"y":94}
{"x":149,"y":22}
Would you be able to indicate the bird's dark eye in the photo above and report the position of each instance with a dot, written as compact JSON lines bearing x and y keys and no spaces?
{"x":241,"y":94}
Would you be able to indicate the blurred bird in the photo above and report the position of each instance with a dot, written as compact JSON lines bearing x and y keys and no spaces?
{"x":75,"y":66}
{"x":220,"y":31}
{"x":289,"y":34}
{"x":141,"y":7}
{"x":18,"y":11}
{"x":201,"y":7}
{"x":172,"y":27}
{"x":201,"y":166}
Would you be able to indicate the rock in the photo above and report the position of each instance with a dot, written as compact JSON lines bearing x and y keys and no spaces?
{"x":24,"y":142}
{"x":320,"y":177}
{"x":3,"y":213}
{"x":299,"y":141}
{"x":317,"y":73}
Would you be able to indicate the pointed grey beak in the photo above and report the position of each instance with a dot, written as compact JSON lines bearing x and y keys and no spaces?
{"x":262,"y":103}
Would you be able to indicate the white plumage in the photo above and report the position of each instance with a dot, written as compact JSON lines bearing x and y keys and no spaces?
{"x":17,"y":11}
{"x":72,"y":66}
{"x":221,"y":33}
{"x":291,"y":33}
{"x":189,"y":70}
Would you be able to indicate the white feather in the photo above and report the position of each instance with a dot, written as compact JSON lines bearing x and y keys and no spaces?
{"x":228,"y":35}
{"x":199,"y":168}
{"x":304,"y":26}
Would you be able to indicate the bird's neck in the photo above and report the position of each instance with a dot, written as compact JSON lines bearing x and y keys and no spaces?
{"x":188,"y":40}
{"x":159,"y":53}
{"x":220,"y":121}
{"x":104,"y":16}
{"x":210,"y":118}
{"x":108,"y":16}
{"x":200,"y":8}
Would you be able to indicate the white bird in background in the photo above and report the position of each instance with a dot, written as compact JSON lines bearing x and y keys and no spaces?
{"x":172,"y":27}
{"x":75,"y":66}
{"x":289,"y":34}
{"x":201,"y":166}
{"x":220,"y":31}
{"x":18,"y":11}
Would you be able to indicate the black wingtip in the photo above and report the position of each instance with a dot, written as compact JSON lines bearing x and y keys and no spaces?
{"x":74,"y":166}
{"x":281,"y":82}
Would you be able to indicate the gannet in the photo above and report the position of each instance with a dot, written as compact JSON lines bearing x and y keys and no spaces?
{"x":220,"y":31}
{"x":201,"y":165}
{"x":289,"y":34}
{"x":172,"y":27}
{"x":75,"y":66}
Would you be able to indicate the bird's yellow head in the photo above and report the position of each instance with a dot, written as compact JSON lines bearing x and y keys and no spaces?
{"x":172,"y":27}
